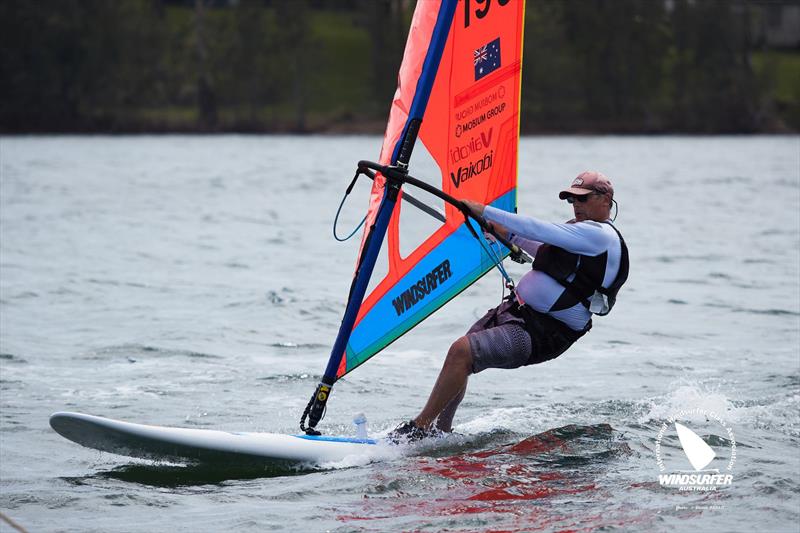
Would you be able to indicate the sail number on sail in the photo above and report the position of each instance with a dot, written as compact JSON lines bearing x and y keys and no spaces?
{"x":481,"y":11}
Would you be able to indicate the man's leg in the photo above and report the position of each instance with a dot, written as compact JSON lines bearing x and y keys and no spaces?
{"x":451,"y":382}
{"x":444,"y":422}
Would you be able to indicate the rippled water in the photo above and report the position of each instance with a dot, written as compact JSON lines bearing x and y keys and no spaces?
{"x":193,"y":281}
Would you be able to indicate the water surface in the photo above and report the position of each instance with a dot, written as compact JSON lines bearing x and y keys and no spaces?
{"x":194,"y":282}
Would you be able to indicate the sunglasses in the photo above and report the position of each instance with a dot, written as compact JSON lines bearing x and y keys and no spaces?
{"x":581,"y":199}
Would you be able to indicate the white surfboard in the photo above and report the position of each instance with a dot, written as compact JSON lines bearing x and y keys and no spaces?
{"x":208,"y":446}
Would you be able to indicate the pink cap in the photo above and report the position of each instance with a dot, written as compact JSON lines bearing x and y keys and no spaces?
{"x":587,"y":183}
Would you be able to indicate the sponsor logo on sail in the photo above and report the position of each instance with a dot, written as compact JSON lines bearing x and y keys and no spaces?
{"x":481,"y":103}
{"x":473,"y":169}
{"x":463,"y":127}
{"x":699,"y":454}
{"x":476,"y":144}
{"x":422,"y":288}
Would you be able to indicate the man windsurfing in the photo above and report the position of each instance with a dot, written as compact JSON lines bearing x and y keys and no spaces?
{"x":578,"y":268}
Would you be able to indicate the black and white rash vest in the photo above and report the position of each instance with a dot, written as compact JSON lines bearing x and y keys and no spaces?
{"x":578,"y":266}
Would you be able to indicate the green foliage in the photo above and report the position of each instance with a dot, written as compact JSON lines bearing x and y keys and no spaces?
{"x":713,"y":87}
{"x":778,"y":75}
{"x":308,"y":65}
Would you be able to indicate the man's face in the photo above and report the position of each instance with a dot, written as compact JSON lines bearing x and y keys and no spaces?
{"x":596,"y":207}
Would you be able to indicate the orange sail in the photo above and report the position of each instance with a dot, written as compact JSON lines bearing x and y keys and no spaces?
{"x":459,"y":83}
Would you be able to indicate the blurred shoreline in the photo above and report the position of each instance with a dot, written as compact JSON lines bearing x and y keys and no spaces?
{"x":317,"y":66}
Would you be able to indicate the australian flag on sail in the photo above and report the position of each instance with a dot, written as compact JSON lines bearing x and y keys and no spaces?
{"x":487,"y":59}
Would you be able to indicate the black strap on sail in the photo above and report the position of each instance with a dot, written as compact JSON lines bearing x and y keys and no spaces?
{"x":403,"y":177}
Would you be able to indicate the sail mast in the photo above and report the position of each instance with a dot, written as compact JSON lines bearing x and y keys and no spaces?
{"x":374,"y":239}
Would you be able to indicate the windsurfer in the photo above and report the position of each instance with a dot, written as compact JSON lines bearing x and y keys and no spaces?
{"x":579,"y":266}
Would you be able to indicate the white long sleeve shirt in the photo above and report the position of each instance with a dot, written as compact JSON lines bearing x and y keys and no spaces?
{"x":541,"y":291}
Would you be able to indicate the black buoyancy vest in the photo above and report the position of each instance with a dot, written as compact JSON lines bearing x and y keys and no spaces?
{"x":589,"y":272}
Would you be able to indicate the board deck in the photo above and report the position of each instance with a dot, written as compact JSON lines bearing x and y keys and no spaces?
{"x":205,"y":445}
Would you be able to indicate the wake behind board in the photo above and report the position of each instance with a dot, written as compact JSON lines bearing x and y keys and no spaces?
{"x":204,"y":445}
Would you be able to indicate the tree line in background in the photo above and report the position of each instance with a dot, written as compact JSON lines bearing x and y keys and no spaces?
{"x":315,"y":65}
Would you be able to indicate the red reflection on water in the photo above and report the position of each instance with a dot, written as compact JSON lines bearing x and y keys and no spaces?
{"x":512,"y":483}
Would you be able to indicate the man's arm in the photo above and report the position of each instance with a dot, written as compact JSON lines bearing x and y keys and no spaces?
{"x":581,"y":238}
{"x":526,"y":244}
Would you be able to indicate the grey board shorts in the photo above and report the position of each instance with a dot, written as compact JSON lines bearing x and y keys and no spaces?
{"x":501,"y":338}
